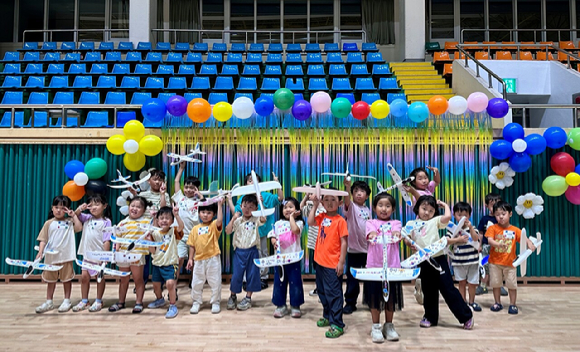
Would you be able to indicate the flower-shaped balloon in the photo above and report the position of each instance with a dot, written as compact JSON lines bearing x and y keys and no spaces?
{"x":516,"y":148}
{"x":135,"y":145}
{"x":529,"y":205}
{"x":123,"y":202}
{"x":502,"y":175}
{"x":567,"y":179}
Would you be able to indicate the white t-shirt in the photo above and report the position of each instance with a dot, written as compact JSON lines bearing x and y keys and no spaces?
{"x":187,"y":212}
{"x":288,"y":241}
{"x":60,"y":235}
{"x":93,"y":234}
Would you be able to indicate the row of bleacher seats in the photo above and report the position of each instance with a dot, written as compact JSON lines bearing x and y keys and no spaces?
{"x":444,"y":56}
{"x":198,"y":47}
{"x":508,"y":46}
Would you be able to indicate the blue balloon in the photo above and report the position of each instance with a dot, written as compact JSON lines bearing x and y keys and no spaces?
{"x":536,"y":144}
{"x":577,"y":169}
{"x":73,"y":167}
{"x":418,"y":112}
{"x":399,"y":108}
{"x":154,"y":109}
{"x":301,"y":110}
{"x":520,"y":162}
{"x":555,"y":137}
{"x":513,"y":131}
{"x":264,"y":106}
{"x":501,"y":149}
{"x":497,"y":108}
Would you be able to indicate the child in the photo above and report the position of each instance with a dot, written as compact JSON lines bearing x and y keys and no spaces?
{"x":356,"y":213}
{"x":329,"y":258}
{"x":433,"y":281}
{"x":203,"y":244}
{"x":383,"y":206}
{"x":94,"y":239}
{"x":465,"y":259}
{"x":288,"y":231}
{"x":134,"y":225}
{"x":165,"y":258}
{"x":502,"y":238}
{"x":60,"y":233}
{"x":246,"y":242}
{"x":306,"y":206}
{"x":269,"y":201}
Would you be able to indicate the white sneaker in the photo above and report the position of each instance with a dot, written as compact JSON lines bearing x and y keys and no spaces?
{"x":313,"y":293}
{"x":65,"y":306}
{"x":215,"y":308}
{"x":195,"y":308}
{"x":377,"y":334}
{"x":80,"y":306}
{"x":390,"y":333}
{"x":45,"y":307}
{"x":418,"y":292}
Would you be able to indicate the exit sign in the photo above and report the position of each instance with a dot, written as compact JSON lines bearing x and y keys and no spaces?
{"x":510,"y":85}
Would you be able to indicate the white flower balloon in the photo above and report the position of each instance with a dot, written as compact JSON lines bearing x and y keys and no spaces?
{"x":529,"y":205}
{"x":502,"y":175}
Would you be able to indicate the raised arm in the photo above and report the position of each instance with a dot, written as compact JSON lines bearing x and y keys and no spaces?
{"x":413,"y":191}
{"x":177,"y":181}
{"x":180,"y":224}
{"x":447,"y":215}
{"x":312,"y":214}
{"x":436,"y":175}
{"x":81,"y":208}
{"x":162,"y":200}
{"x":279,"y":191}
{"x":231,"y":204}
{"x":220,"y":215}
{"x":230,"y":226}
{"x":293,"y":226}
{"x":347,"y":185}
{"x":78,"y":225}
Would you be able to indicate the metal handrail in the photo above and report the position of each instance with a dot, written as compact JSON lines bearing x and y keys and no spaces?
{"x":74,"y":31}
{"x":518,"y":30}
{"x":489,"y":72}
{"x":574,"y":108}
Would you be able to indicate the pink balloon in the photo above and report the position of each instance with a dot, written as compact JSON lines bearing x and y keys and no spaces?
{"x":477,"y":102}
{"x":320,"y":102}
{"x":573,"y":195}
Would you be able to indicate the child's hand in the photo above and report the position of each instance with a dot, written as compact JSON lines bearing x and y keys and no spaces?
{"x":261,"y":199}
{"x":295,"y":214}
{"x":38,"y":255}
{"x":371,"y":238}
{"x":237,"y":215}
{"x":433,"y":169}
{"x":463,"y":239}
{"x":262,"y":219}
{"x":229,"y":196}
{"x":153,"y":211}
{"x":347,"y":183}
{"x":441,"y":204}
{"x":149,"y":237}
{"x":467,"y":223}
{"x":340,"y":268}
{"x":220,"y":201}
{"x":133,"y":191}
{"x":182,"y":165}
{"x":189,"y":265}
{"x":315,"y":202}
{"x":274,"y":243}
{"x":82,"y":207}
{"x":69,"y":212}
{"x":176,"y":210}
{"x":407,"y":188}
{"x":163,"y":188}
{"x":274,"y":177}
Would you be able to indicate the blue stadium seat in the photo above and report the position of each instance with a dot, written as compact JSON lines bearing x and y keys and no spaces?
{"x":295,"y":84}
{"x":315,"y":71}
{"x":165,"y":96}
{"x":18,"y":119}
{"x":334,"y":58}
{"x":139,"y":98}
{"x":48,"y":46}
{"x":165,"y":70}
{"x":107,"y":82}
{"x":11,"y":68}
{"x":369,"y":47}
{"x":154,"y":83}
{"x":116,"y":98}
{"x":64,"y":98}
{"x":154,"y":57}
{"x":234,"y":58}
{"x":35,"y":82}
{"x":72,"y":57}
{"x":375,"y":58}
{"x":219,"y":48}
{"x":392,"y":96}
{"x":33,"y":69}
{"x":370,"y":98}
{"x":97,"y":119}
{"x":359,"y":70}
{"x":92,"y":56}
{"x":269,"y":95}
{"x":12,"y":82}
{"x":144,"y":46}
{"x":294,"y":48}
{"x":106,"y":46}
{"x":224,"y":83}
{"x":349,"y":47}
{"x":11,"y":56}
{"x":254,"y":58}
{"x":251,"y":70}
{"x":200,"y":83}
{"x":125,"y":116}
{"x":125,"y":46}
{"x":40,"y":119}
{"x":87,"y":46}
{"x":121,"y":69}
{"x":83,"y":82}
{"x":312,"y":48}
{"x":274,"y":59}
{"x":247,"y":95}
{"x":77,"y":69}
{"x":70,"y":122}
{"x":331,"y":47}
{"x":275,"y":48}
{"x":68,"y":46}
{"x":30,"y":46}
{"x":381,"y":70}
{"x":247,"y":83}
{"x":354,"y":58}
{"x":215,"y":98}
{"x":190,"y":96}
{"x":100,"y":68}
{"x":163,"y":46}
{"x":294,"y":58}
{"x":186,"y":70}
{"x":214,"y":58}
{"x":388,"y":84}
{"x":133,"y":56}
{"x":349,"y":96}
{"x":31,"y":56}
{"x":177,"y":83}
{"x":294,"y":71}
{"x":12,"y":98}
{"x":230,"y":70}
{"x":181,"y":47}
{"x":200,"y":47}
{"x":51,"y":57}
{"x":174,"y":57}
{"x":298,"y":96}
{"x":238,"y":48}
{"x":341,"y":85}
{"x":315,"y":84}
{"x":130,"y":82}
{"x":58,"y":82}
{"x":149,"y":124}
{"x":364,"y":84}
{"x":273,"y":70}
{"x":53,"y":69}
{"x":337,"y":71}
{"x":256,"y":48}
{"x":314,"y":58}
{"x":270,"y":84}
{"x":208,"y":70}
{"x":90,"y":98}
{"x":143,"y":69}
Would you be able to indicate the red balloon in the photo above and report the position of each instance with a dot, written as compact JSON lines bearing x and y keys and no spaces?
{"x":573,"y":195}
{"x":562,"y":164}
{"x":360,"y":110}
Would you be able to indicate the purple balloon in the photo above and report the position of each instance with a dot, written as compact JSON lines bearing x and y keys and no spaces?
{"x":177,"y":105}
{"x":497,"y":108}
{"x":301,"y":110}
{"x":573,"y":194}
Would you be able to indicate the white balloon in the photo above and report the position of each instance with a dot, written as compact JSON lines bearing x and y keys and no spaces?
{"x":320,"y":102}
{"x":127,"y":194}
{"x":457,"y":105}
{"x":81,"y":179}
{"x":519,"y":145}
{"x":124,"y":210}
{"x":121,"y":201}
{"x":144,"y":186}
{"x":243,"y":108}
{"x":131,"y":146}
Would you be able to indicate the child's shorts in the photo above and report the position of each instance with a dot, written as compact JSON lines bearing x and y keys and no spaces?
{"x":500,"y":273}
{"x":140,"y":262}
{"x":467,"y":272}
{"x":244,"y":263}
{"x":182,"y":249}
{"x":164,"y":273}
{"x":92,"y":273}
{"x":65,"y":274}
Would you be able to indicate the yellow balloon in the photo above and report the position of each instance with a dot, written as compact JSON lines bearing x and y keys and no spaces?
{"x":222,"y":111}
{"x":150,"y":145}
{"x":115,"y":144}
{"x":573,"y":179}
{"x":380,"y":109}
{"x":134,"y":162}
{"x":134,"y":130}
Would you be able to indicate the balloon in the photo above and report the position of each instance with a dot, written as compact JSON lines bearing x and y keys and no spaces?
{"x":301,"y":110}
{"x":555,"y":137}
{"x":457,"y":105}
{"x":222,"y":111}
{"x":121,"y":201}
{"x":573,"y":195}
{"x":574,"y":138}
{"x":284,"y":99}
{"x":198,"y":110}
{"x":243,"y":108}
{"x":513,"y":131}
{"x":360,"y":110}
{"x":437,"y":105}
{"x":536,"y":144}
{"x":562,"y":163}
{"x":177,"y":105}
{"x":74,"y":192}
{"x":81,"y":179}
{"x":150,"y":145}
{"x":519,"y":145}
{"x":124,"y":210}
{"x":154,"y":109}
{"x":134,"y":130}
{"x":554,"y":185}
{"x":134,"y":162}
{"x":96,"y":168}
{"x":573,"y":179}
{"x":320,"y":102}
{"x":96,"y":186}
{"x":501,"y":149}
{"x":264,"y":106}
{"x":399,"y":108}
{"x":497,"y":107}
{"x":131,"y":146}
{"x":477,"y":102}
{"x":418,"y":112}
{"x":380,"y":109}
{"x":577,"y":169}
{"x":520,"y":162}
{"x":73,"y":167}
{"x":340,"y":107}
{"x":115,"y":144}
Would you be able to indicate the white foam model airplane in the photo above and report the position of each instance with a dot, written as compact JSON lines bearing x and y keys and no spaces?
{"x":220,"y":195}
{"x":318,"y":190}
{"x":279,"y":259}
{"x":525,"y":252}
{"x":458,"y":230}
{"x":102,"y":269}
{"x":127,"y":184}
{"x":256,"y":188}
{"x":188,"y":157}
{"x":399,"y":184}
{"x":36,"y":264}
{"x":422,"y":254}
{"x":196,"y":151}
{"x":131,"y":242}
{"x":347,"y":174}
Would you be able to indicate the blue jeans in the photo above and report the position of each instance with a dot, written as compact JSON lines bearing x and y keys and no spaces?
{"x":329,"y":287}
{"x":292,"y":278}
{"x":244,"y":263}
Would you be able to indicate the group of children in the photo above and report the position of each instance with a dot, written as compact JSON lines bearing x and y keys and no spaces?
{"x":192,"y":226}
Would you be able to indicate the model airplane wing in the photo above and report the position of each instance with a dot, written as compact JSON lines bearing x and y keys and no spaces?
{"x":243,"y":190}
{"x":360,"y":176}
{"x":213,"y":189}
{"x":119,"y":186}
{"x":144,"y":179}
{"x":269,"y":185}
{"x":424,"y":254}
{"x":304,"y":189}
{"x":394,"y":175}
{"x":333,"y":192}
{"x":279,"y":259}
{"x":46,"y":250}
{"x":117,"y":257}
{"x":105,"y":270}
{"x":334,"y":174}
{"x":121,"y":178}
{"x":141,"y":243}
{"x":399,"y":183}
{"x":263,"y":212}
{"x":27,"y":264}
{"x":393,"y":274}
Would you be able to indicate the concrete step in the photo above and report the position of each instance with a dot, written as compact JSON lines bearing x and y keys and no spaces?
{"x":407,"y":64}
{"x":424,"y":86}
{"x":420,"y":80}
{"x":416,"y":73}
{"x":425,"y":97}
{"x":431,"y":91}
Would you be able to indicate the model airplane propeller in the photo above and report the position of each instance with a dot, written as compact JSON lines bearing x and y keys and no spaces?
{"x":399,"y":184}
{"x":279,"y":259}
{"x":525,"y":252}
{"x":127,"y":184}
{"x":256,"y":188}
{"x":422,"y":254}
{"x":36,"y":264}
{"x":347,"y":174}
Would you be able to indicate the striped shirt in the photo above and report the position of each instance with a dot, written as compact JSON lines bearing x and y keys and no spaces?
{"x":463,"y":254}
{"x":134,"y":232}
{"x":312,"y":230}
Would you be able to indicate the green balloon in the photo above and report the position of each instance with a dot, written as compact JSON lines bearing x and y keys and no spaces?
{"x":554,"y":185}
{"x":95,"y":168}
{"x":283,"y":98}
{"x":340,"y":107}
{"x":574,"y":138}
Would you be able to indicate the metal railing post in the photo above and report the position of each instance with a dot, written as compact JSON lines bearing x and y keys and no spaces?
{"x":524,"y":117}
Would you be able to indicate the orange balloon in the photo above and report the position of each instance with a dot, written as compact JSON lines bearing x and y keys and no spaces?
{"x":199,"y":110}
{"x":74,"y":192}
{"x":437,"y":105}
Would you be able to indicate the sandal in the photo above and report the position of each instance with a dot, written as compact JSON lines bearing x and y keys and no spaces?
{"x":513,"y":310}
{"x":496,"y":307}
{"x":137,"y":309}
{"x":334,"y":332}
{"x":322,"y":322}
{"x":116,"y":307}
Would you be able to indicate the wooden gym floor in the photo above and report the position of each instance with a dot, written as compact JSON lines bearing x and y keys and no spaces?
{"x":548,"y":321}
